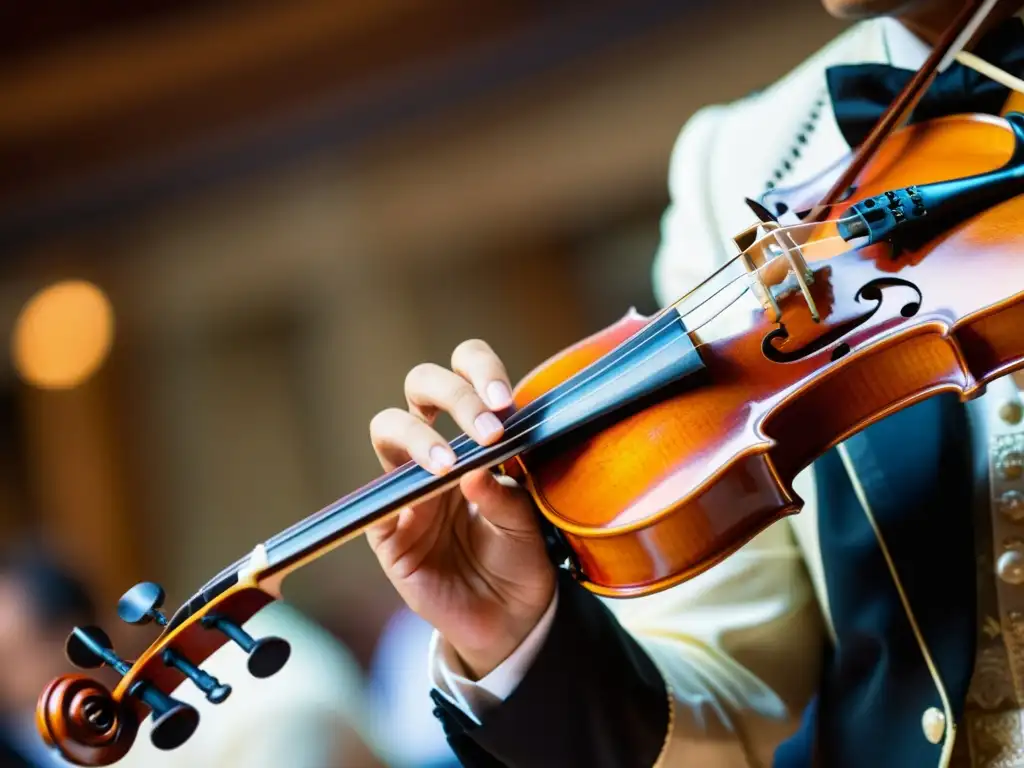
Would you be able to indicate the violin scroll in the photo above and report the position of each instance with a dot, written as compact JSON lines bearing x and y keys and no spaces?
{"x":92,"y":726}
{"x":80,"y":717}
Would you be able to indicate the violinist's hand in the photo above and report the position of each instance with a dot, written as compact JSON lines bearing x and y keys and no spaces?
{"x":470,"y":561}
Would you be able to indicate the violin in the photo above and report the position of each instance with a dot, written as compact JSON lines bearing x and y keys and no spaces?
{"x":658,"y":446}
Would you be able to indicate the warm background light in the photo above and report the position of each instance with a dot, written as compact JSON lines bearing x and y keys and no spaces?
{"x":63,"y":335}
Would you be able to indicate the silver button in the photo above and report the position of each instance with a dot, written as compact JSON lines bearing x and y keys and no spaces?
{"x":1011,"y":412}
{"x":1010,"y":567}
{"x":1011,"y":465}
{"x":933,"y":723}
{"x":1011,"y":504}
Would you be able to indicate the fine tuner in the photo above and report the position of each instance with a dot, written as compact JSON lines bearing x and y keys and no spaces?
{"x":89,"y":708}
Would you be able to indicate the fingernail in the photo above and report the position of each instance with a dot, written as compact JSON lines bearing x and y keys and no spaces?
{"x":498,"y":394}
{"x":442,"y":458}
{"x":487,"y":424}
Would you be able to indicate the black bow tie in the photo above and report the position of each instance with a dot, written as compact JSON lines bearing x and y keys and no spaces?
{"x":861,"y":92}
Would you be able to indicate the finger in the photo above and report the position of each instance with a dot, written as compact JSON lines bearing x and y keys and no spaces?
{"x":409,"y":523}
{"x":430,"y":387}
{"x":398,"y":436}
{"x":412,"y":534}
{"x":477,"y":362}
{"x":501,"y":502}
{"x":378,"y":533}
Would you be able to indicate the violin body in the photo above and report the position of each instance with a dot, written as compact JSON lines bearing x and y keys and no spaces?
{"x":664,"y":493}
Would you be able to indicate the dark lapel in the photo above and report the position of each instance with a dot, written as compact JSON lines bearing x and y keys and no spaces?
{"x":916,"y":469}
{"x":896,"y":534}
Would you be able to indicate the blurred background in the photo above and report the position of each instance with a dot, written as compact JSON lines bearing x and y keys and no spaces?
{"x":229,"y":228}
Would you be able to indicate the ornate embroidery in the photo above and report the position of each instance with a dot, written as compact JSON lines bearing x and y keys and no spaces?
{"x":991,"y":687}
{"x":1004,"y":474}
{"x":997,"y":739}
{"x":994,"y":717}
{"x":1008,"y":457}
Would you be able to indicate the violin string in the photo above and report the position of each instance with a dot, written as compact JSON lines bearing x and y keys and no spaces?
{"x":399,"y":472}
{"x":462,"y":439}
{"x":306,"y":523}
{"x":608,"y":360}
{"x":412,"y":466}
{"x":303,"y":525}
{"x":601,"y":366}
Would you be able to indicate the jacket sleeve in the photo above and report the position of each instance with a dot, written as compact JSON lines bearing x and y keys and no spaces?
{"x":712,"y":673}
{"x":592,"y":698}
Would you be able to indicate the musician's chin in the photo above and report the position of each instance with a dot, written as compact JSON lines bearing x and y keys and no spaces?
{"x":864,"y":9}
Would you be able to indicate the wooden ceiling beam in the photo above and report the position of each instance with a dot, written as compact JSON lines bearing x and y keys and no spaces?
{"x":186,"y":56}
{"x":108,"y":100}
{"x":162,"y":107}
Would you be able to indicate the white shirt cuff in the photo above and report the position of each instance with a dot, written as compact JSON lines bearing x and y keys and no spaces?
{"x":448,"y":673}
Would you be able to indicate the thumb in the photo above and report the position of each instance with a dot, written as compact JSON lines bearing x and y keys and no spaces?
{"x":501,"y":501}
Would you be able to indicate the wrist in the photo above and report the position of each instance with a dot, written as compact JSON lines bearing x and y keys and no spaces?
{"x":479,"y":660}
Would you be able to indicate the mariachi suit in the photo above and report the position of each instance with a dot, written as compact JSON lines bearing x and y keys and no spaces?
{"x":844,"y":636}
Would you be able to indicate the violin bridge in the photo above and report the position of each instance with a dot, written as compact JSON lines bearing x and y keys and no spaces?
{"x":752,"y":257}
{"x":756,"y":253}
{"x":798,"y":266}
{"x":760,"y":288}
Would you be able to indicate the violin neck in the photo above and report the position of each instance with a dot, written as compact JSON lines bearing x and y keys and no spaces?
{"x":659,"y":355}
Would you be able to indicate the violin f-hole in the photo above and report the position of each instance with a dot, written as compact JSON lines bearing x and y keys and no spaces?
{"x":872,"y":291}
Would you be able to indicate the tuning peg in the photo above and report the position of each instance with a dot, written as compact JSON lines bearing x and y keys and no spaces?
{"x":215,"y":691}
{"x":173,"y":721}
{"x":140,"y":603}
{"x":266,"y":656}
{"x":89,"y":647}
